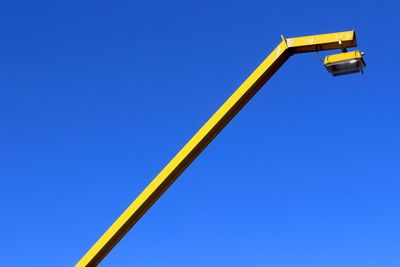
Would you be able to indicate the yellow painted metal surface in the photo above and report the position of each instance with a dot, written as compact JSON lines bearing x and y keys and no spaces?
{"x":184,"y":157}
{"x":342,"y":57}
{"x":207,"y":133}
{"x":322,"y":42}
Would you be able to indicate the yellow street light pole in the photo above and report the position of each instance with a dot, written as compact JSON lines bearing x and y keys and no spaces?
{"x":337,"y":65}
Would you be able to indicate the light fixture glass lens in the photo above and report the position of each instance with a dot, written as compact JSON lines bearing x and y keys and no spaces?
{"x":345,"y":67}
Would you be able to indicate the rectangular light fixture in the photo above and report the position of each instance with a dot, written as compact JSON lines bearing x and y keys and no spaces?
{"x":344,"y":63}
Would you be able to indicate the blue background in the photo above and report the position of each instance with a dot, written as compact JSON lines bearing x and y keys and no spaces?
{"x":97,"y":96}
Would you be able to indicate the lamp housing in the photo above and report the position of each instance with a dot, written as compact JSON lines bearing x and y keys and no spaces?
{"x":345,"y":63}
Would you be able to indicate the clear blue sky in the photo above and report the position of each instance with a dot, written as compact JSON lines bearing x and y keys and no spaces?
{"x":97,"y":96}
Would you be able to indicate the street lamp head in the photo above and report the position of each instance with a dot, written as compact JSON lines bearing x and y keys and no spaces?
{"x":345,"y":63}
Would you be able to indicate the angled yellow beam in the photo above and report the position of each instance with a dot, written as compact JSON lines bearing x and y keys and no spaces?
{"x":207,"y":133}
{"x":322,"y":42}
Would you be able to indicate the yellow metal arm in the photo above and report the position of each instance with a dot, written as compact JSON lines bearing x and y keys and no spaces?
{"x":208,"y":132}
